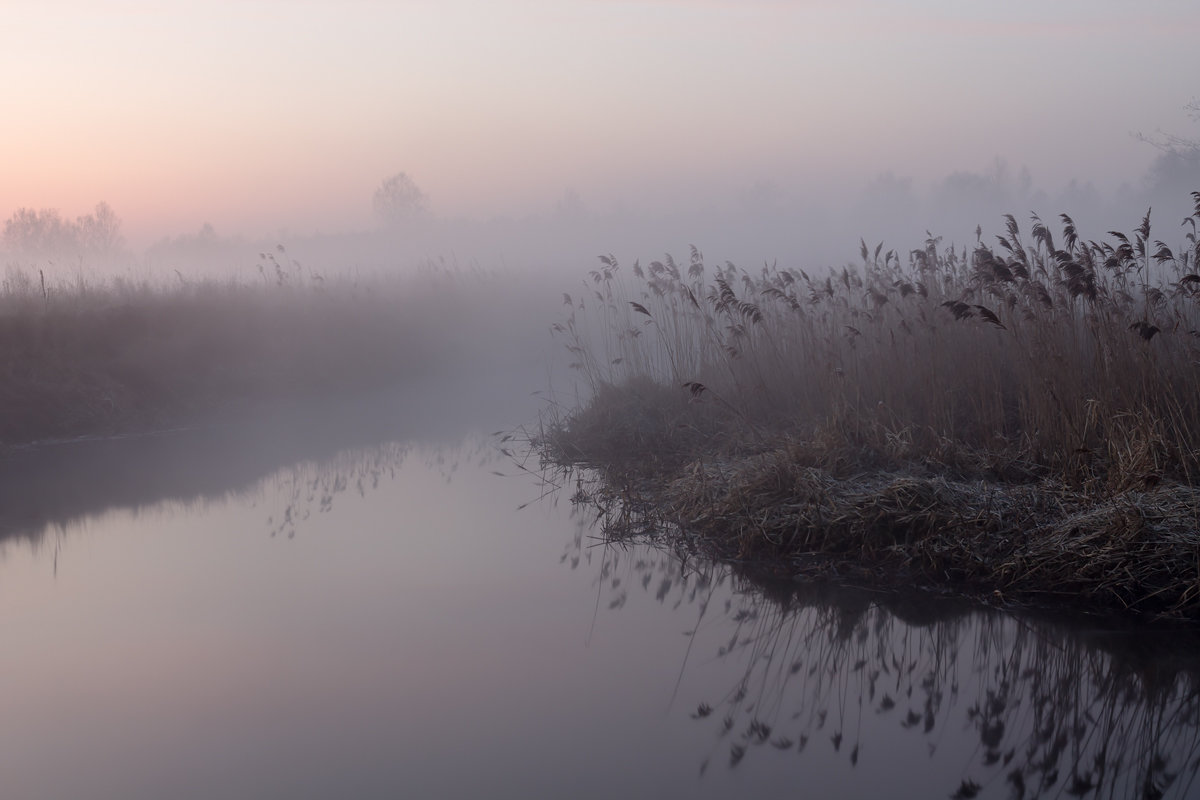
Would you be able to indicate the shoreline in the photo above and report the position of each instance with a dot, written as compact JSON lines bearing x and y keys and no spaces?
{"x":790,"y":513}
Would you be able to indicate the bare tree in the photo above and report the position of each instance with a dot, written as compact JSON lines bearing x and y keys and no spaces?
{"x":100,"y":232}
{"x":38,"y":232}
{"x":399,"y":200}
{"x":1169,"y":141}
{"x":1175,"y":171}
{"x":45,"y":232}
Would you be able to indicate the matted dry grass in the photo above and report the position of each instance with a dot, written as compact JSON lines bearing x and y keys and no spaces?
{"x":1041,"y":542}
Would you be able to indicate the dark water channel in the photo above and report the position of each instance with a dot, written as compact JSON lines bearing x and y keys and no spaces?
{"x":298,"y":609}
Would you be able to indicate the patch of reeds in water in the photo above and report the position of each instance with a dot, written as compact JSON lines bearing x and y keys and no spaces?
{"x":1024,"y":417}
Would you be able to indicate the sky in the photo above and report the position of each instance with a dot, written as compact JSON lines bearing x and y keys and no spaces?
{"x":264,"y":116}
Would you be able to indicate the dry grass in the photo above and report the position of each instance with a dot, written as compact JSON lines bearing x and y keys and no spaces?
{"x":1018,"y":419}
{"x":1037,"y":542}
{"x":80,"y":358}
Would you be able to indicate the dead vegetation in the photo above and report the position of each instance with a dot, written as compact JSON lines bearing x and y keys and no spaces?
{"x":101,"y":357}
{"x":1020,"y":422}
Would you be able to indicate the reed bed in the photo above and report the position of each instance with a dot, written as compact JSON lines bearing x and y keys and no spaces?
{"x":101,"y":357}
{"x":1019,"y":418}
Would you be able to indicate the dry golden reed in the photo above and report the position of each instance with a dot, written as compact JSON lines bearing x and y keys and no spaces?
{"x":1020,"y":420}
{"x":1045,"y":353}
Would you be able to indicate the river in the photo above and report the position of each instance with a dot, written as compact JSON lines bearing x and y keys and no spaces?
{"x":384,"y":607}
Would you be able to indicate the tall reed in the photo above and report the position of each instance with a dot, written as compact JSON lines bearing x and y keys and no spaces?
{"x":91,"y":357}
{"x":1046,"y":351}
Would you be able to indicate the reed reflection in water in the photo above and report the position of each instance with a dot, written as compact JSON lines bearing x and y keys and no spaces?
{"x":851,"y":682}
{"x":338,"y":628}
{"x":387,"y":621}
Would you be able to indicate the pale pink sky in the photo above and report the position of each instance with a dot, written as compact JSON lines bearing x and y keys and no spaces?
{"x":262,"y":115}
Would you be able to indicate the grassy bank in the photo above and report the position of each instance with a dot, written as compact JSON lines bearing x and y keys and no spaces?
{"x":101,"y":357}
{"x":1018,"y":418}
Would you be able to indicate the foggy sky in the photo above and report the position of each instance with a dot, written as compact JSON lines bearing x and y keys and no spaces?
{"x":265,"y":116}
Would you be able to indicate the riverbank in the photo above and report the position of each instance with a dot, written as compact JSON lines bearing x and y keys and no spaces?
{"x":1019,"y":425}
{"x":791,"y":511}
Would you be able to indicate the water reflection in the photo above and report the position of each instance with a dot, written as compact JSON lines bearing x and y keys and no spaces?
{"x":47,"y":487}
{"x":299,"y":492}
{"x":1000,"y":705}
{"x":385,"y":612}
{"x":391,"y":639}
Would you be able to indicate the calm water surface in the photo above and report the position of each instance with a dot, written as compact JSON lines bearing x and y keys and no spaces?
{"x":271,"y":614}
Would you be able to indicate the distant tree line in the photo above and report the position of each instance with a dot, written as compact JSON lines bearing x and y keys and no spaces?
{"x":46,"y":232}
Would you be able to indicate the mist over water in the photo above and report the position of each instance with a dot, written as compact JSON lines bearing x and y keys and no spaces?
{"x":277,"y":286}
{"x":790,"y":222}
{"x":766,"y":221}
{"x":425,"y":617}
